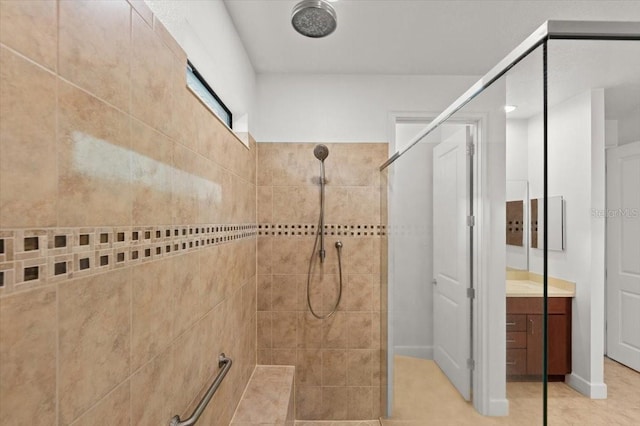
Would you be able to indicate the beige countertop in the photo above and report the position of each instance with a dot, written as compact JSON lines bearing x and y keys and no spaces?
{"x":526,"y":288}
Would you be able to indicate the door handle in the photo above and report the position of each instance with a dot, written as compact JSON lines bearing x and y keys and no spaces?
{"x":531,"y":323}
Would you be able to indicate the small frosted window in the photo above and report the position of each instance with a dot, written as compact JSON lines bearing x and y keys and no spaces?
{"x":202,"y":90}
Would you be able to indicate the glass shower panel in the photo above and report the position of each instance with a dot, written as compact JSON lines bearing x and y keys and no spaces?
{"x":447,"y":232}
{"x":594,"y":165}
{"x":508,"y":156}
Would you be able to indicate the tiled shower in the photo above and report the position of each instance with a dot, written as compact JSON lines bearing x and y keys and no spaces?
{"x":139,"y":237}
{"x":127,"y":222}
{"x":337,"y":359}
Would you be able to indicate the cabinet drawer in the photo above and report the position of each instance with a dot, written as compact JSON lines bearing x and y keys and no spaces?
{"x":516,"y":339}
{"x":516,"y":362}
{"x":516,"y":322}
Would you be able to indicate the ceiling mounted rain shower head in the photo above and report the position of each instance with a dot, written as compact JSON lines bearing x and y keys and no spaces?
{"x":314,"y":18}
{"x":321,"y":152}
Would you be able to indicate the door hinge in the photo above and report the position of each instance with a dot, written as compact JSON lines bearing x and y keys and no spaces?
{"x":471,"y":221}
{"x":471,"y":364}
{"x":471,"y":149}
{"x":434,"y":281}
{"x":471,"y":293}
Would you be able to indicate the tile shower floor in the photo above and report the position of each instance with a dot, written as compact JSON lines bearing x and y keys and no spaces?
{"x":424,"y":396}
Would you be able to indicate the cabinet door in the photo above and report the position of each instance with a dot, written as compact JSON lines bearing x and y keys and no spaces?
{"x":559,"y":344}
{"x":534,"y":344}
{"x":559,"y":361}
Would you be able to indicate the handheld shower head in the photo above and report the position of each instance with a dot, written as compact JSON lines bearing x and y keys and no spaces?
{"x":321,"y":152}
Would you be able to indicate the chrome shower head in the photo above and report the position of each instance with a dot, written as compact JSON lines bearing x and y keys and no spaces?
{"x":321,"y":152}
{"x":314,"y":18}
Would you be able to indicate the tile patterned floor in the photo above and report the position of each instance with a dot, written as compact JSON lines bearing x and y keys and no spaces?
{"x":425,"y":397}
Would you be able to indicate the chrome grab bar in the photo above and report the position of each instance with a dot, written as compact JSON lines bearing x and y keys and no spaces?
{"x":225,"y":364}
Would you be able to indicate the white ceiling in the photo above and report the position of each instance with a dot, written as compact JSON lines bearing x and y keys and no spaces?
{"x":406,"y":36}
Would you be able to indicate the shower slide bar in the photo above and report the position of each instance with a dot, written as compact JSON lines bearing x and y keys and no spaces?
{"x":225,"y":364}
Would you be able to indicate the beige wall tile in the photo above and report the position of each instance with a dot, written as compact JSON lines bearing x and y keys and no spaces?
{"x":308,"y":402}
{"x":359,"y":328}
{"x":265,"y":255}
{"x":93,"y":161}
{"x":113,"y":409}
{"x":152,"y":83}
{"x":264,"y":292}
{"x":336,"y":205}
{"x":317,"y":291}
{"x":184,"y":185}
{"x":191,"y":298}
{"x":153,"y":391}
{"x":30,"y":27}
{"x":304,"y":198}
{"x":265,"y":357}
{"x":94,"y":343}
{"x":286,"y":258}
{"x":309,"y":331}
{"x":265,"y":204}
{"x":95,"y":48}
{"x":284,"y":357}
{"x":141,"y":8}
{"x":359,"y":292}
{"x":309,"y":368}
{"x":28,"y":355}
{"x":331,"y":292}
{"x":363,"y":205}
{"x":360,"y":403}
{"x":334,"y":367}
{"x":360,"y":364}
{"x":27,"y":130}
{"x":334,"y":403}
{"x":153,"y":310}
{"x":214,"y":274}
{"x":168,"y":40}
{"x":151,"y":174}
{"x":265,"y":328}
{"x":358,"y":163}
{"x":285,"y":292}
{"x":334,"y":331}
{"x":284,"y":330}
{"x":360,"y":256}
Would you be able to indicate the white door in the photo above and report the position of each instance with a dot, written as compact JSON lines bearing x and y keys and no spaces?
{"x":451,"y":259}
{"x":623,"y":254}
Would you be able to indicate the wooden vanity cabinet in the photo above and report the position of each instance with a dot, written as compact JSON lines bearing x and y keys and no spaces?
{"x":524,"y":337}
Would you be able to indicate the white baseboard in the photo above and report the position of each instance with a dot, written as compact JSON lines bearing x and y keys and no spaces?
{"x":498,"y":407}
{"x":592,"y":390}
{"x":422,"y":352}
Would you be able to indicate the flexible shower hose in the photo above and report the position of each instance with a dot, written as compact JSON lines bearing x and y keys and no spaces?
{"x":309,"y":275}
{"x":322,"y":254}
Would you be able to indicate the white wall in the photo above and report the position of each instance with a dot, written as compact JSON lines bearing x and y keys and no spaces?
{"x":411,"y":244}
{"x":344,"y":108}
{"x":517,"y":185}
{"x":576,"y":172}
{"x":629,"y":127}
{"x":206,"y":32}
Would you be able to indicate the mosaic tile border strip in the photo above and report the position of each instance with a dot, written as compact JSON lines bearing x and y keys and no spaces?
{"x":34,"y":257}
{"x":309,"y":229}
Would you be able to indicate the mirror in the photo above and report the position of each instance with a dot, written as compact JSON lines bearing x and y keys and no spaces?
{"x":555,"y":226}
{"x":517,"y":197}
